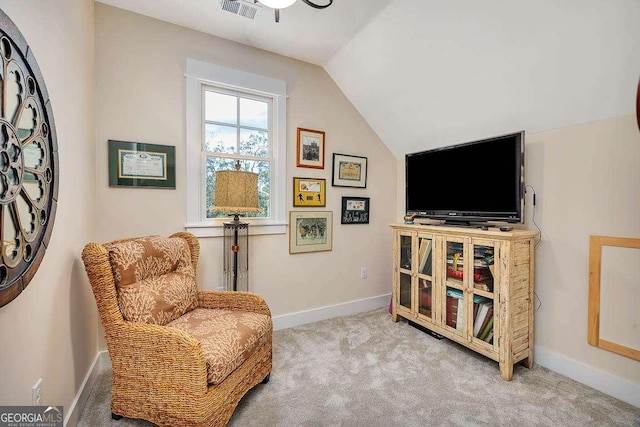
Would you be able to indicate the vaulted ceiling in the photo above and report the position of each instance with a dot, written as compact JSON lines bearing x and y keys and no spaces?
{"x":429,"y":73}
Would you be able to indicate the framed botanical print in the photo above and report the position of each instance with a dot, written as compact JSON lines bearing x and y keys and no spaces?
{"x":349,"y":171}
{"x":309,"y":192}
{"x":310,"y":231}
{"x":310,"y":149}
{"x":355,"y":210}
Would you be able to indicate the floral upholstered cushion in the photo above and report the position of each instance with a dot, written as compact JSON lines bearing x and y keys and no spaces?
{"x":228,"y":338}
{"x":155,"y":279}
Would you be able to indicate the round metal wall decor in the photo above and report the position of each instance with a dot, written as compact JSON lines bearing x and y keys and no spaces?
{"x":638,"y":105}
{"x":28,"y":163}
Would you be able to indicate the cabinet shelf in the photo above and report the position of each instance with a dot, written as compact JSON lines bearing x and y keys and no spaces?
{"x":483,"y":293}
{"x":487,"y":306}
{"x":455,"y":283}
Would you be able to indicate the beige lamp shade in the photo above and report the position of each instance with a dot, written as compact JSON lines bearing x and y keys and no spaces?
{"x":236,"y":192}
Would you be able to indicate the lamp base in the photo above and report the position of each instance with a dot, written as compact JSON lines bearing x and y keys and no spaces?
{"x":236,"y":255}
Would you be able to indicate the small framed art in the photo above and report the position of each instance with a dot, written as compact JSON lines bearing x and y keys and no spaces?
{"x":310,"y":149}
{"x":309,"y":192}
{"x":355,"y":210}
{"x":310,"y":231}
{"x":349,"y":171}
{"x":135,"y":164}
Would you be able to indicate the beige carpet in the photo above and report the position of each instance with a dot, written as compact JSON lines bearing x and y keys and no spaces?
{"x":365,"y":370}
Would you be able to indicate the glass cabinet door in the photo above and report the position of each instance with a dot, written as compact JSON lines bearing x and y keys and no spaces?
{"x":484,"y":280}
{"x":454,"y":308}
{"x":405,"y":271}
{"x":425,"y":276}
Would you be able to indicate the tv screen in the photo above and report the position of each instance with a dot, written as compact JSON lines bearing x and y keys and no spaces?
{"x":472,"y":182}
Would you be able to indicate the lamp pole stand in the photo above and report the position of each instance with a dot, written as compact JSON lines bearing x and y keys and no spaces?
{"x":236,"y":255}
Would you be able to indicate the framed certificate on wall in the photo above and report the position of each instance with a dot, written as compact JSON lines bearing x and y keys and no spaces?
{"x":135,"y":164}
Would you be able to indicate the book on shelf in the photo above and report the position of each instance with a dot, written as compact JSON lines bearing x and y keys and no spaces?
{"x":484,"y":286}
{"x":454,"y":296}
{"x":460,"y":316}
{"x":452,"y":311}
{"x":476,"y":307}
{"x":480,"y":317}
{"x":453,"y":292}
{"x":489,"y":328}
{"x":489,"y":338}
{"x":479,"y":299}
{"x":482,"y":323}
{"x":422,"y":250}
{"x":454,"y":247}
{"x":483,"y":260}
{"x":425,"y":257}
{"x":457,"y":293}
{"x":455,"y":308}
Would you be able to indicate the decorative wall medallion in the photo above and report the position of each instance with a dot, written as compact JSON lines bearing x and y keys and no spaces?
{"x":28,"y":163}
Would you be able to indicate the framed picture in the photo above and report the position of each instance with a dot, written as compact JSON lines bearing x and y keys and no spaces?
{"x":310,"y":149}
{"x":310,"y":231}
{"x":134,"y":164}
{"x":355,"y":210}
{"x":309,"y":192}
{"x":349,"y":171}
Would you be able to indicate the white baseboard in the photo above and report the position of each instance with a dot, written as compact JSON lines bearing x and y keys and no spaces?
{"x":610,"y":384}
{"x":105,"y":360}
{"x":77,"y":405}
{"x":328,"y":312}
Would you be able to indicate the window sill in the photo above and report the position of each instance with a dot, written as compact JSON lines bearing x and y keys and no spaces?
{"x":215,"y":229}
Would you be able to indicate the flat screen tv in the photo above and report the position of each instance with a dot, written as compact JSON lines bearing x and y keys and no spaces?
{"x":477,"y":181}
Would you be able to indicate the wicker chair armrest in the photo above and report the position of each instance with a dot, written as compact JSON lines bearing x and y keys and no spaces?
{"x":229,"y":300}
{"x":166,"y":357}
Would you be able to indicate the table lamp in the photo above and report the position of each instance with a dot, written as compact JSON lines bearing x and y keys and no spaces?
{"x":236,"y":193}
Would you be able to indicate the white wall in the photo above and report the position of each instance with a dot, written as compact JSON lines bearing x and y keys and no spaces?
{"x":50,"y":330}
{"x":587,"y":182}
{"x":429,"y":73}
{"x":140,"y":64}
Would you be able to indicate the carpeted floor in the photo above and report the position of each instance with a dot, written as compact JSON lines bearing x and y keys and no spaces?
{"x":364,"y":370}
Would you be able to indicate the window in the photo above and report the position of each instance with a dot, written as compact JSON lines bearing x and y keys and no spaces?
{"x":234,"y":116}
{"x":237,"y":128}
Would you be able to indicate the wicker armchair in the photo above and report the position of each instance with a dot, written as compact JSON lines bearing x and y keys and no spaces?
{"x":161,"y":373}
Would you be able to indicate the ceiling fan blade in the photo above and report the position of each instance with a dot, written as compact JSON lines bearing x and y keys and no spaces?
{"x":277,"y":15}
{"x":318,"y":6}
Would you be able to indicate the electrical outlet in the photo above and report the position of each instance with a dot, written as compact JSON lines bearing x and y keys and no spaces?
{"x":363,"y":273}
{"x":36,"y":393}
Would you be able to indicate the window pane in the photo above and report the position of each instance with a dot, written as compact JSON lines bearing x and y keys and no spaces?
{"x":254,"y":113}
{"x":220,"y":139}
{"x":254,"y":143}
{"x":262,"y":168}
{"x":221,"y":108}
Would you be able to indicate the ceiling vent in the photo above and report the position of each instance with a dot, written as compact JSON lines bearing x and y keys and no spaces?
{"x":248,"y":9}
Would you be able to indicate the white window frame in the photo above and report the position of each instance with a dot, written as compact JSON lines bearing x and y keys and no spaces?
{"x":199,"y":74}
